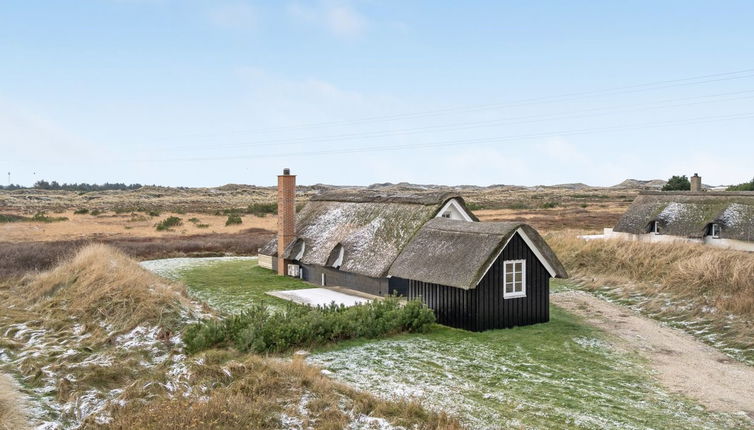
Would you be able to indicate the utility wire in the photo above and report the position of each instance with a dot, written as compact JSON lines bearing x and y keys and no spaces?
{"x":477,"y":124}
{"x":501,"y":139}
{"x":694,"y":80}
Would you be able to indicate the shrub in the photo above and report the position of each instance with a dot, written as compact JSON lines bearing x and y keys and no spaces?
{"x":81,"y":211}
{"x":472,"y":206}
{"x":202,"y":225}
{"x":746,"y":186}
{"x":194,"y":220}
{"x":11,"y":218}
{"x":550,"y":205}
{"x":677,"y":183}
{"x":233,"y":219}
{"x":41,"y":216}
{"x":97,"y":212}
{"x":168,"y":222}
{"x":259,"y":329}
{"x":153,"y":213}
{"x":262,"y":209}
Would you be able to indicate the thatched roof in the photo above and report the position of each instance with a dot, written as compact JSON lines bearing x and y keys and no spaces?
{"x":373,"y":228}
{"x":458,"y":253}
{"x":688,"y":214}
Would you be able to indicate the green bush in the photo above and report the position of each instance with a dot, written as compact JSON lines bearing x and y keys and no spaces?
{"x":153,"y":213}
{"x":262,"y":209}
{"x":677,"y":183}
{"x":746,"y":186}
{"x":202,"y":225}
{"x":233,"y":219}
{"x":11,"y":218}
{"x":550,"y":205}
{"x":81,"y":211}
{"x":96,"y":212}
{"x":168,"y":222}
{"x":41,"y":216}
{"x":259,"y":329}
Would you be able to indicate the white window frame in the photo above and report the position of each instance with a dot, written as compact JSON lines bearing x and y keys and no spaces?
{"x":655,"y":227}
{"x":715,"y":231}
{"x":515,"y":294}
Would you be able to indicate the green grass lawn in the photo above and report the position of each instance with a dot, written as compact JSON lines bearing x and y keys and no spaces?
{"x":562,"y":374}
{"x":231,"y":286}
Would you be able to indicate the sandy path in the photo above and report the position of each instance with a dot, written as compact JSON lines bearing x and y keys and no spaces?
{"x":683,"y":364}
{"x":11,"y":408}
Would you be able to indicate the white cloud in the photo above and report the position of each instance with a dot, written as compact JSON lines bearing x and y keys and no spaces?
{"x":234,"y":15}
{"x":338,"y":18}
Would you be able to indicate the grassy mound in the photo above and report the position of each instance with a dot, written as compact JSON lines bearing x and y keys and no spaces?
{"x":101,"y":286}
{"x":707,"y":291}
{"x":254,"y":392}
{"x":721,"y":277}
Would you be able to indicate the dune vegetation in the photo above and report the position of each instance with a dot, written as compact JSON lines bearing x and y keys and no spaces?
{"x":96,"y":342}
{"x":706,"y":291}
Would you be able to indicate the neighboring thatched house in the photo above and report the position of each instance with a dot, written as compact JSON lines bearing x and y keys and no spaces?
{"x":723,"y":219}
{"x":474,"y":275}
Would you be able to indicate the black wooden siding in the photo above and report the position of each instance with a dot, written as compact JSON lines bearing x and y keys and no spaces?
{"x":337,"y":278}
{"x":484,"y":307}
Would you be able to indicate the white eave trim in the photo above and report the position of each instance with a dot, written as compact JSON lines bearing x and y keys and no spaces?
{"x":531,"y":246}
{"x":457,"y":206}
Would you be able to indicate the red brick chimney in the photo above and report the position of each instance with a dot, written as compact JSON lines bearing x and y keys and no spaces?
{"x":286,"y":215}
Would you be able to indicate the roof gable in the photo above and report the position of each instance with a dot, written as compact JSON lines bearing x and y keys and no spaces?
{"x":459,"y":254}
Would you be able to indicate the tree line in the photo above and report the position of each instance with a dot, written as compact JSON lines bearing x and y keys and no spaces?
{"x":54,"y":185}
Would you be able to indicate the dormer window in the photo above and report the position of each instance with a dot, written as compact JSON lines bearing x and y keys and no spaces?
{"x":714,"y":231}
{"x":446,"y":214}
{"x":336,"y":257}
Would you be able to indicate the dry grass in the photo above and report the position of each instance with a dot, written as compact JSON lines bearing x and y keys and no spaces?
{"x":253,"y":392}
{"x":102,"y":285}
{"x":111,"y":225}
{"x":20,"y":258}
{"x":722,"y":278}
{"x":11,"y":415}
{"x":673,"y":281}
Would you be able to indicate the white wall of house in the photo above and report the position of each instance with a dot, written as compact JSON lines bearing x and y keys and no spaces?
{"x":265,"y":261}
{"x":453,"y":210}
{"x":737,"y":245}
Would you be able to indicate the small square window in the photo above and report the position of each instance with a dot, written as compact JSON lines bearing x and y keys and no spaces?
{"x":515,"y":279}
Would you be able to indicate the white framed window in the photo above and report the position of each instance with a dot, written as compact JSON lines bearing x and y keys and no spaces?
{"x":514,"y":279}
{"x":655,"y":227}
{"x":715,"y":231}
{"x":323,"y":280}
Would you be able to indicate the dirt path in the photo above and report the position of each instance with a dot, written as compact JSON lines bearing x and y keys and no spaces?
{"x":683,"y":364}
{"x":11,"y":409}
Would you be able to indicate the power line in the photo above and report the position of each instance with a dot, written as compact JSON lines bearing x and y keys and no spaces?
{"x":694,"y":80}
{"x":477,"y":124}
{"x":501,"y":139}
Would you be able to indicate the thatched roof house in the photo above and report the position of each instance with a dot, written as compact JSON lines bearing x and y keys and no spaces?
{"x":369,"y":228}
{"x":458,"y":254}
{"x":429,"y":245}
{"x":723,"y":218}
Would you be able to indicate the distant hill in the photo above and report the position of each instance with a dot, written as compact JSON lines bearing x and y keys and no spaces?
{"x":652,"y":184}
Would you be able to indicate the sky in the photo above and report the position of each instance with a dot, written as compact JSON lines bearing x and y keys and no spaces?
{"x":205,"y":93}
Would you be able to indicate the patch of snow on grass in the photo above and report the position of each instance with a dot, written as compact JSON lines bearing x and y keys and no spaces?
{"x":172,"y":267}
